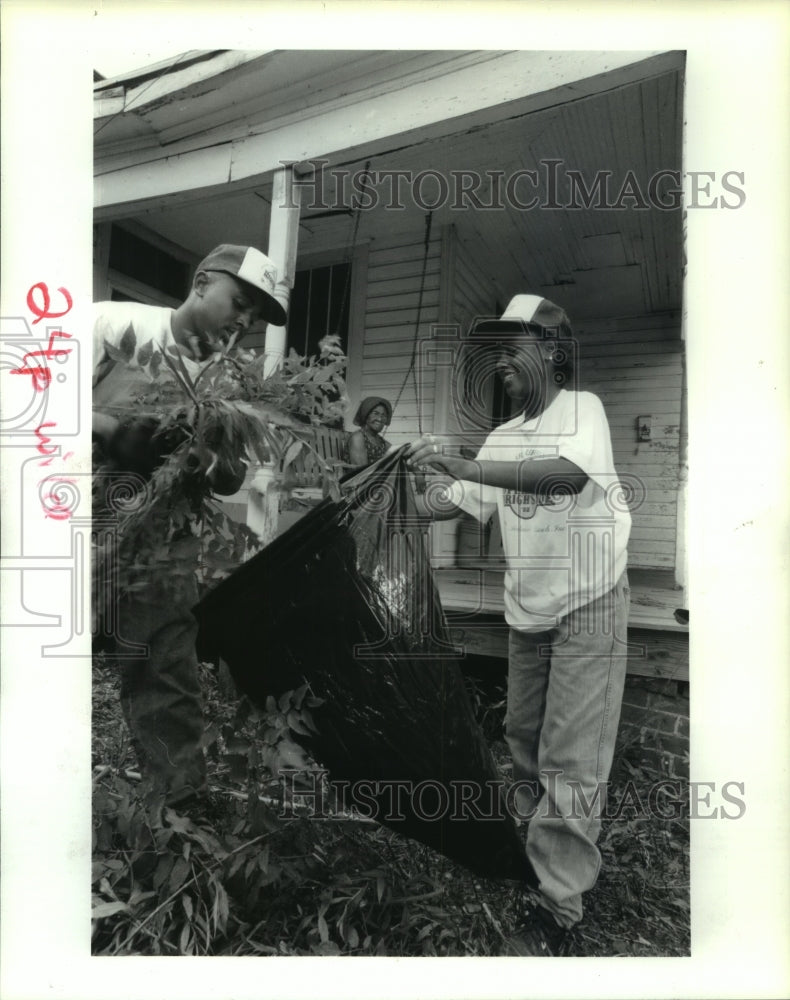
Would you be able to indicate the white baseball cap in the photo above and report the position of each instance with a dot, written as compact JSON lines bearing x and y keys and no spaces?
{"x":524,"y":311}
{"x":253,"y":268}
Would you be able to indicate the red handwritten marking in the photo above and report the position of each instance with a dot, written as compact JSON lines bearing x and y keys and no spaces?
{"x":51,"y":352}
{"x":59,"y":511}
{"x":38,"y":372}
{"x":44,"y":311}
{"x":41,"y":378}
{"x":44,"y":440}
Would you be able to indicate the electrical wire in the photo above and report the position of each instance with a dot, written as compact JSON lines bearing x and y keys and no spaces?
{"x":411,"y":370}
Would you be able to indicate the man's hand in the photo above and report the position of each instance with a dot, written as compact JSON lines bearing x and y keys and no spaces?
{"x":220,"y":460}
{"x":434,"y":451}
{"x":142,"y":444}
{"x":132,"y":446}
{"x":227,"y":478}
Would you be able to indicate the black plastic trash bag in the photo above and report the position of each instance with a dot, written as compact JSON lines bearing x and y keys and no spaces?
{"x":345,"y":601}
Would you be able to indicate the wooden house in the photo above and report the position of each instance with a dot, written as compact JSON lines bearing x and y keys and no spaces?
{"x":404,"y":193}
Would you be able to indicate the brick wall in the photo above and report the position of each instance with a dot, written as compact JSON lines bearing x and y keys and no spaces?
{"x":654,"y":725}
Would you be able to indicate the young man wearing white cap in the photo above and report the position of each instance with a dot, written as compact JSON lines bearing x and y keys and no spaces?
{"x":134,"y":346}
{"x":549,"y":474}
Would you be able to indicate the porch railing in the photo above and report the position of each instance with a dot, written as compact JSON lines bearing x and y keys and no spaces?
{"x":306,"y":472}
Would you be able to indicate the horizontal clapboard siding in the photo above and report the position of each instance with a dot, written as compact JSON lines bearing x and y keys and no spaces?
{"x":394,"y":279}
{"x":635,"y":367}
{"x":470,"y":296}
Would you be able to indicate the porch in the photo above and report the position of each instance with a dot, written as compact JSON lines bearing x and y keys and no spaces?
{"x":401,"y":281}
{"x":473,"y":600}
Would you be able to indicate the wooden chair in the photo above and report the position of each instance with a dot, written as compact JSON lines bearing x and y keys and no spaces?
{"x":306,"y":472}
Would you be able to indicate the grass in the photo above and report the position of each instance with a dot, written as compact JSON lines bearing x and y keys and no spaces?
{"x":240,"y":881}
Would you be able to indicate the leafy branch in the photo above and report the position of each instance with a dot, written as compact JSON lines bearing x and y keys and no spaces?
{"x":234,"y":412}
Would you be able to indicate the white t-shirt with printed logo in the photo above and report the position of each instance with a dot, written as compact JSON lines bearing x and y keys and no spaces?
{"x":130,"y":341}
{"x":564,"y":551}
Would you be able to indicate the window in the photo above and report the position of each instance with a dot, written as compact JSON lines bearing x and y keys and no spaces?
{"x":319,"y":306}
{"x":134,"y":267}
{"x":147,"y":264}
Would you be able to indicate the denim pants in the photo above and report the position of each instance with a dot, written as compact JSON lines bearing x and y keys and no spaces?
{"x":565,"y":688}
{"x":160,"y":692}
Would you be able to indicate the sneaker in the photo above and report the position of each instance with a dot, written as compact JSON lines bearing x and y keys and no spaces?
{"x":539,"y":934}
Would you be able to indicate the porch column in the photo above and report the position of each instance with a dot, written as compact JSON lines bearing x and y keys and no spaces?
{"x":264,"y":496}
{"x":283,"y":239}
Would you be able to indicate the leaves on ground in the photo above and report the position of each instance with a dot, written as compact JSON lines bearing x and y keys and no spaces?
{"x":250,"y":876}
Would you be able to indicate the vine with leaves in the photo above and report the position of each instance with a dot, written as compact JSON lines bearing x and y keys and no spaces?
{"x":233,"y":409}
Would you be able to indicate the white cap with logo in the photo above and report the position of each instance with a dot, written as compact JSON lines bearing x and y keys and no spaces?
{"x":252,"y":267}
{"x":524,"y":311}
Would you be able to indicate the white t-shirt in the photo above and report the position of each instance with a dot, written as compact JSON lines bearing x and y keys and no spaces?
{"x":129,"y":342}
{"x":565,"y":551}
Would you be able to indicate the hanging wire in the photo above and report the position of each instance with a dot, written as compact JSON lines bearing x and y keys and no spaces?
{"x":350,"y":260}
{"x":411,"y":369}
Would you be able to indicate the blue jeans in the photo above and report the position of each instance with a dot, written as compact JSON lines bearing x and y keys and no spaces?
{"x":565,"y":688}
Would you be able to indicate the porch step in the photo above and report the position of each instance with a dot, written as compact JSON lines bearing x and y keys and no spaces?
{"x":649,"y":653}
{"x":481,"y":590}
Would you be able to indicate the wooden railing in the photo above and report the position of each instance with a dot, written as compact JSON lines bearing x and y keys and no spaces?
{"x":306,"y":471}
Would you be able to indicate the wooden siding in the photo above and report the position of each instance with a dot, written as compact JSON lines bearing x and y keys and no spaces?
{"x":635,"y":367}
{"x":469,"y":295}
{"x":394,"y":278}
{"x":472,"y":296}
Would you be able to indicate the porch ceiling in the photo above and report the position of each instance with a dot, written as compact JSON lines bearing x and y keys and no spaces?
{"x":598,"y":262}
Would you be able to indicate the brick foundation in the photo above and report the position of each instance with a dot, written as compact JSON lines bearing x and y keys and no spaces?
{"x":654,"y":726}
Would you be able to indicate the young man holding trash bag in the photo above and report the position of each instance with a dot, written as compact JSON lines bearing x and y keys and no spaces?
{"x":137,"y":347}
{"x":549,"y":474}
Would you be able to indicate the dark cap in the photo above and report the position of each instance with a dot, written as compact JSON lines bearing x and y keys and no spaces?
{"x":370,"y":403}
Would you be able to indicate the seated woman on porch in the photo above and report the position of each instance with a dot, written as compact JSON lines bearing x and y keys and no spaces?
{"x":367,"y":445}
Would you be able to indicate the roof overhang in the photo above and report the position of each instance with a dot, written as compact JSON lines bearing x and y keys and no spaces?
{"x":236,"y":117}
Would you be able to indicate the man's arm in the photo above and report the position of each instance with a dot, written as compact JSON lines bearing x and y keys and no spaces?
{"x":357,"y":453}
{"x":528,"y":476}
{"x":103,"y":427}
{"x":433,"y":513}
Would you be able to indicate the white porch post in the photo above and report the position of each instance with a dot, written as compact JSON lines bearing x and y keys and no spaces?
{"x":283,"y":239}
{"x":263,"y":498}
